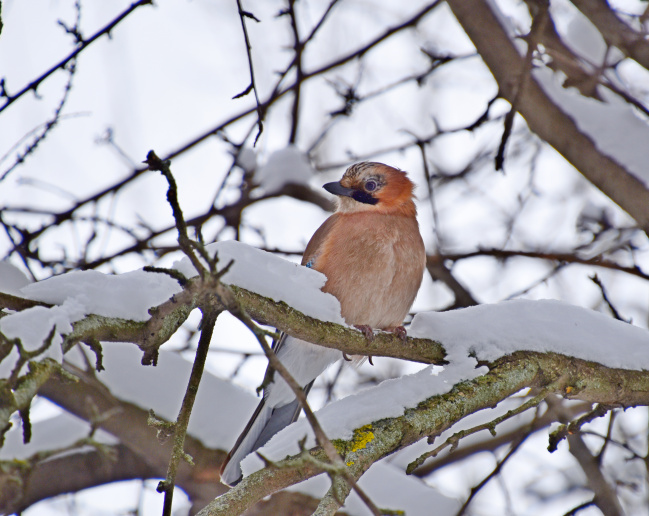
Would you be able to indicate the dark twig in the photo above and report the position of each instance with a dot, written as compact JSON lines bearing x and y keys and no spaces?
{"x":323,"y":440}
{"x":298,"y":46}
{"x":10,"y":99}
{"x":186,"y":244}
{"x":565,"y":430}
{"x":560,"y":257}
{"x":48,"y":126}
{"x":499,"y":466}
{"x":595,"y":279}
{"x":579,"y":508}
{"x":252,"y":87}
{"x":455,"y":439}
{"x":180,"y":427}
{"x":538,"y":26}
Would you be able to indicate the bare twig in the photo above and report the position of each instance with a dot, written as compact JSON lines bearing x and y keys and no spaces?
{"x":454,"y":440}
{"x":33,"y":85}
{"x":252,"y":87}
{"x":595,"y":279}
{"x":180,"y":426}
{"x":561,"y":257}
{"x":298,"y":46}
{"x":186,"y":244}
{"x":565,"y":430}
{"x":605,"y":497}
{"x":499,"y":466}
{"x":538,"y":26}
{"x":323,"y":440}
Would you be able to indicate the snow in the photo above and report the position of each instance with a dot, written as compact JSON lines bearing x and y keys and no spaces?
{"x":272,"y":277}
{"x":127,"y":296}
{"x":75,"y":295}
{"x":130,"y":295}
{"x":32,"y":327}
{"x":486,"y":332}
{"x":602,"y":123}
{"x":492,"y":331}
{"x":288,"y":165}
{"x":11,"y":279}
{"x":390,"y":398}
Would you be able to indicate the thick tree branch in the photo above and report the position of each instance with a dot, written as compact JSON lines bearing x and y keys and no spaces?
{"x":570,"y":377}
{"x":543,"y":117}
{"x":23,"y":484}
{"x":129,"y":423}
{"x":605,"y":496}
{"x":169,"y":316}
{"x":615,"y":31}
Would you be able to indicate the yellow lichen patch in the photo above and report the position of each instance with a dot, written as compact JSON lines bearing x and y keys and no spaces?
{"x":362,"y":437}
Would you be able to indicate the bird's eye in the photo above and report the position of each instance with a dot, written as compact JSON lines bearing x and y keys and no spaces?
{"x":370,"y":185}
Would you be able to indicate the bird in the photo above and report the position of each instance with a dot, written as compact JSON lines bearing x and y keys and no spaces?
{"x":373,"y":256}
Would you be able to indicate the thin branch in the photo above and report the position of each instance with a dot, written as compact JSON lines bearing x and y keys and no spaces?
{"x":574,"y":427}
{"x":595,"y":279}
{"x":538,"y":27}
{"x":298,"y":47}
{"x":579,"y":508}
{"x":560,"y":257}
{"x":556,"y":412}
{"x":323,"y":440}
{"x":180,"y":426}
{"x":499,"y":466}
{"x":260,"y":111}
{"x":454,"y":440}
{"x":186,"y":244}
{"x":33,"y":85}
{"x":605,"y":496}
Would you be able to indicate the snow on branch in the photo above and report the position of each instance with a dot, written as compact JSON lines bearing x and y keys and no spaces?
{"x":548,"y":345}
{"x":550,"y":372}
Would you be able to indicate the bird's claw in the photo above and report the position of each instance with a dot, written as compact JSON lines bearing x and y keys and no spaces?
{"x":367,"y":331}
{"x":400,"y":332}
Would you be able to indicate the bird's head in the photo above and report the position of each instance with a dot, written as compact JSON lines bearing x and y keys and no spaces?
{"x":370,"y":186}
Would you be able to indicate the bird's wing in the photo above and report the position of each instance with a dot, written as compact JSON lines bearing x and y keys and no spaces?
{"x":317,"y":241}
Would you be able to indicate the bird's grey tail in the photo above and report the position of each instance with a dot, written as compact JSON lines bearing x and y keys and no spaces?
{"x":264,"y":424}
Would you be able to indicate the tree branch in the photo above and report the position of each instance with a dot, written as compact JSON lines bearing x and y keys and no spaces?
{"x":543,"y":117}
{"x":569,"y":377}
{"x":33,"y":85}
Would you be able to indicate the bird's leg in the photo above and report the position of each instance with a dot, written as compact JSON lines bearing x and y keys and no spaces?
{"x":399,"y":331}
{"x":369,"y":336}
{"x":367,"y":331}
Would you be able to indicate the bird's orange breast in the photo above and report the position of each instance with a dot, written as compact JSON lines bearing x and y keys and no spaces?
{"x":374,"y":265}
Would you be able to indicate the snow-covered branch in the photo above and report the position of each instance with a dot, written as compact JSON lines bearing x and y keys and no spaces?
{"x":557,"y":374}
{"x":548,"y":112}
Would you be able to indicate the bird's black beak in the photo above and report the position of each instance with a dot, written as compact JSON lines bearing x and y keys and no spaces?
{"x":337,"y":189}
{"x":358,"y":195}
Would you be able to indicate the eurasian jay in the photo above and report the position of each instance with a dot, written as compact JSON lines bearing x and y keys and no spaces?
{"x":373,"y":256}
